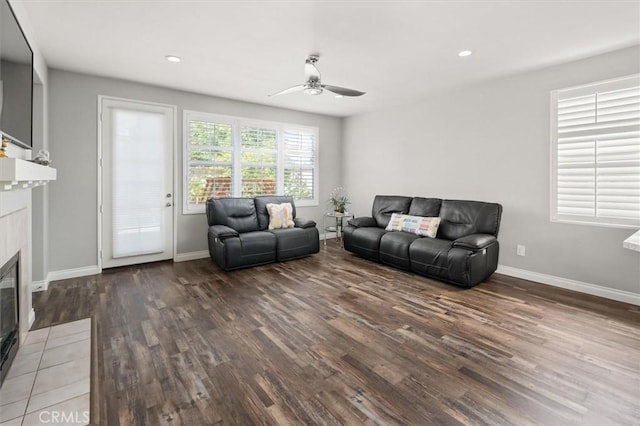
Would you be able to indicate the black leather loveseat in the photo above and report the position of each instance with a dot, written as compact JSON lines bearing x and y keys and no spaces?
{"x":464,"y":252}
{"x":239,"y":236}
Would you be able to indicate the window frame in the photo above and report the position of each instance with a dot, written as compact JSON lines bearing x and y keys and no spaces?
{"x":236,"y":124}
{"x":555,"y":216}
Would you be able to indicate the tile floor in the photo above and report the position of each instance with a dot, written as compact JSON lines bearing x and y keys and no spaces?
{"x":48,"y":382}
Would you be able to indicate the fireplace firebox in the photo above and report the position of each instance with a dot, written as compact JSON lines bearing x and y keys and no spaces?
{"x":9,"y":279}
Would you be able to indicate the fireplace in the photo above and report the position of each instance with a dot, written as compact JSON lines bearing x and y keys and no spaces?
{"x":9,"y":317}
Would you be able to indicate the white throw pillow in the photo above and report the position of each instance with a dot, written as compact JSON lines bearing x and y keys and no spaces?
{"x":280,"y":215}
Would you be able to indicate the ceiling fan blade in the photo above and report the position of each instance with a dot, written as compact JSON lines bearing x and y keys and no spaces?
{"x":311,"y":72}
{"x":342,"y":90}
{"x":293,"y":89}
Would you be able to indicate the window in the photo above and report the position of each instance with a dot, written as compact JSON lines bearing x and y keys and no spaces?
{"x":596,"y":153}
{"x":237,"y":157}
{"x":258,"y":161}
{"x":299,"y":164}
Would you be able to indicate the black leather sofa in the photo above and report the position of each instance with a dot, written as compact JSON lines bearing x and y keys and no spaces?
{"x":464,"y":252}
{"x":239,"y":236}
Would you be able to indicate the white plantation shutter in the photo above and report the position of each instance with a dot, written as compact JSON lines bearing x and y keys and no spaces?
{"x":596,"y":153}
{"x":228,"y":156}
{"x":299,"y":148}
{"x":258,"y":161}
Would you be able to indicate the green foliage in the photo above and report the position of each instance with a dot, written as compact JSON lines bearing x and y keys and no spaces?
{"x":210,"y":134}
{"x":258,"y":157}
{"x":339,"y":199}
{"x":297,"y":186}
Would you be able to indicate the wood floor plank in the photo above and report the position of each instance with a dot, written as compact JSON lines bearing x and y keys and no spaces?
{"x":335,"y":339}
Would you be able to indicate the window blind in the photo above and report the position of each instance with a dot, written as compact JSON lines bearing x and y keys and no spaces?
{"x":138,"y":170}
{"x":597,"y":153}
{"x":299,"y":164}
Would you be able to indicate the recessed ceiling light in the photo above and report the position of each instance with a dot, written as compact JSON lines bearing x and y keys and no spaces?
{"x":465,"y":53}
{"x":172,"y":58}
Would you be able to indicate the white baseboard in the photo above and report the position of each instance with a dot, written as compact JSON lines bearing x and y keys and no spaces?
{"x":582,"y":287}
{"x":32,"y":317}
{"x":193,"y":255}
{"x":40,"y":285}
{"x":73,"y":273}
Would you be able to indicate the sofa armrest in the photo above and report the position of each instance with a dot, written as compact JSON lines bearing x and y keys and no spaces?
{"x":222,"y":232}
{"x":363,"y":222}
{"x":475,"y":241}
{"x":303,"y":223}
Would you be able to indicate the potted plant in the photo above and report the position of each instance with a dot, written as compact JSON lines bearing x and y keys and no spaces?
{"x":339,"y":200}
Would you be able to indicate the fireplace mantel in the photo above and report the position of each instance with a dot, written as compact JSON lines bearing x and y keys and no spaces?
{"x":21,"y":174}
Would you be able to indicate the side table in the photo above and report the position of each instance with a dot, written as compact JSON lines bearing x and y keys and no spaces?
{"x":334,"y":222}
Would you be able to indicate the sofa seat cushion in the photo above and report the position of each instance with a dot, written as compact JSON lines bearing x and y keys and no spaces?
{"x":257,"y":242}
{"x":394,"y":248}
{"x":430,"y":256}
{"x":364,"y":241}
{"x":292,"y":243}
{"x":250,"y":248}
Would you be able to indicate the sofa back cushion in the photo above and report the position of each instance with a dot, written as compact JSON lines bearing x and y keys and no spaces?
{"x":236,"y":213}
{"x":461,"y":218}
{"x":261,"y":207}
{"x":425,"y":207}
{"x":385,"y":205}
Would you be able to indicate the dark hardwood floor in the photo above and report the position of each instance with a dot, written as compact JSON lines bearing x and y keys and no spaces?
{"x":335,"y":339}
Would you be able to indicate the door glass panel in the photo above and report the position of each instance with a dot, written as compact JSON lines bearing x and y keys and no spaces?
{"x":138,"y":176}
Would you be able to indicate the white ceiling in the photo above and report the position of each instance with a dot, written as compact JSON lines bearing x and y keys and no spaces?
{"x":396,"y":51}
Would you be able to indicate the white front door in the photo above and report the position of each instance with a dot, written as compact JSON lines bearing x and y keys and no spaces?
{"x":137,"y":140}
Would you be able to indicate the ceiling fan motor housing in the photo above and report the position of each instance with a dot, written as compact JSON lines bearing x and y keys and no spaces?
{"x":312,"y":87}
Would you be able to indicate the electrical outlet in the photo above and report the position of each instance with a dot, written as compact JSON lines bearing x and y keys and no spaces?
{"x":521,"y":250}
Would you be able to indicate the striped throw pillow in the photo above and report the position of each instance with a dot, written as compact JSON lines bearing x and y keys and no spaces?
{"x":423,"y":226}
{"x":428,"y":226}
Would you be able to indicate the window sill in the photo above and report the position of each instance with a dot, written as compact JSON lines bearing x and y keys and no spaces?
{"x":629,"y":225}
{"x":306,"y":203}
{"x":633,"y":242}
{"x":299,"y":204}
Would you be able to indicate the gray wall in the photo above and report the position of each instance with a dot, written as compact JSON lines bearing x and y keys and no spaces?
{"x":73,"y":103}
{"x":40,"y":195}
{"x":10,"y":201}
{"x":490,"y":142}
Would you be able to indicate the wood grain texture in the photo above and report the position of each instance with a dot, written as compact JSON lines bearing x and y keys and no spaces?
{"x":335,"y":339}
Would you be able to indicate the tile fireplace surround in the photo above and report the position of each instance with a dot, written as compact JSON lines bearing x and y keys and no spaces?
{"x":14,"y":235}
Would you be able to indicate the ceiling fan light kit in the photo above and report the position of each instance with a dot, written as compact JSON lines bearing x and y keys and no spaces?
{"x":313,"y":85}
{"x":313,"y":91}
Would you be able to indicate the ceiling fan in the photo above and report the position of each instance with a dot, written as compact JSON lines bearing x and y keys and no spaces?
{"x":313,"y":86}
